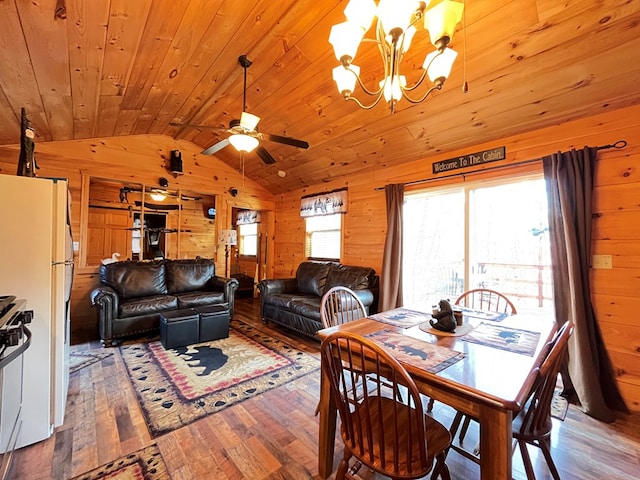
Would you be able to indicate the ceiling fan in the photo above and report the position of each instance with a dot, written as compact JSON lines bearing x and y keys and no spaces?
{"x":244,"y":132}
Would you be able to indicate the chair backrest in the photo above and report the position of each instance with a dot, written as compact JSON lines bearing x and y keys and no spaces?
{"x":340,"y":305}
{"x":537,"y":415}
{"x":381,"y":412}
{"x":487,"y":300}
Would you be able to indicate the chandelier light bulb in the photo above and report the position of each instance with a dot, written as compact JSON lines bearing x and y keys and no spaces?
{"x":441,"y":21}
{"x":345,"y":38}
{"x":392,"y":87}
{"x":361,"y":13}
{"x":346,"y":79}
{"x":438,"y":65}
{"x":395,"y":16}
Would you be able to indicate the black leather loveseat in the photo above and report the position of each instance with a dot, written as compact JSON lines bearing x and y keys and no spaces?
{"x":133,"y":295}
{"x":295,"y":302}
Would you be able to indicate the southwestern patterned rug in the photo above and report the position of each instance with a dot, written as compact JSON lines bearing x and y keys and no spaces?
{"x":176,"y":387}
{"x":79,"y":360}
{"x":145,"y":464}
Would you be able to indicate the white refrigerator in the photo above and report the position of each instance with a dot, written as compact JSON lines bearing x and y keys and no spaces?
{"x":36,"y":264}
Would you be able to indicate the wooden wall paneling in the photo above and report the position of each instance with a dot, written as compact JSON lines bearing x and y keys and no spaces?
{"x":48,"y":51}
{"x":615,"y":231}
{"x":135,"y":159}
{"x":176,"y":68}
{"x":87,"y":32}
{"x":18,"y":83}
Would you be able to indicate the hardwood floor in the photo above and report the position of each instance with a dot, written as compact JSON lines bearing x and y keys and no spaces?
{"x":274,"y":435}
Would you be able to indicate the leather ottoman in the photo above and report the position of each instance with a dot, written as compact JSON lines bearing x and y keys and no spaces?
{"x":214,"y":322}
{"x":179,"y":328}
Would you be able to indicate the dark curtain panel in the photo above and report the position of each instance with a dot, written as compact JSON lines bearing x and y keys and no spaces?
{"x":391,"y":276}
{"x":569,"y":180}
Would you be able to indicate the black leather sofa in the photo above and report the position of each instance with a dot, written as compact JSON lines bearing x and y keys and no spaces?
{"x":295,"y":302}
{"x":133,"y":295}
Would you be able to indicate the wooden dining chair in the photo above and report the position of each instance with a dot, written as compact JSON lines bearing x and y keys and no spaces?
{"x":533,"y":424}
{"x":386,"y":434}
{"x":340,"y":305}
{"x":487,"y":300}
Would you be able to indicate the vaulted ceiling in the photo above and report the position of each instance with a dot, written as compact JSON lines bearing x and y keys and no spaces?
{"x":128,"y":67}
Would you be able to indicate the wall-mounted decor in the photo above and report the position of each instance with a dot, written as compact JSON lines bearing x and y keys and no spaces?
{"x":464,"y":161}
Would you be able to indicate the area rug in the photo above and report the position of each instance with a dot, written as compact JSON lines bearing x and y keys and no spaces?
{"x":505,"y":338}
{"x":79,"y":360}
{"x":176,"y":387}
{"x":145,"y":464}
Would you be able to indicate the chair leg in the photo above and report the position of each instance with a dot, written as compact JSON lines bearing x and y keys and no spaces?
{"x":430,"y":405}
{"x":465,"y":427}
{"x":344,"y":465}
{"x":546,"y":450}
{"x":441,"y":469}
{"x":526,"y":460}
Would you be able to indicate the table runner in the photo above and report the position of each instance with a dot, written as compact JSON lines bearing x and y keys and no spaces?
{"x":404,"y":348}
{"x":401,"y":317}
{"x":505,"y":338}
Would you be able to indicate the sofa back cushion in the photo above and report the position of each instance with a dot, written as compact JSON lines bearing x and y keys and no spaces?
{"x":189,"y":275}
{"x":355,"y":278}
{"x":312,"y":277}
{"x":135,"y":279}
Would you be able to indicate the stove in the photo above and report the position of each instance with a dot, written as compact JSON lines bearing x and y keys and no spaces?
{"x":15,"y":338}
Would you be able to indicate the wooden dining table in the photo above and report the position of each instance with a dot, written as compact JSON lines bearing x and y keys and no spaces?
{"x":490,"y":384}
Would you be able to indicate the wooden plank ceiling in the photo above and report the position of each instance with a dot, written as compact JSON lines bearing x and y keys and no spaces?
{"x":123,"y":67}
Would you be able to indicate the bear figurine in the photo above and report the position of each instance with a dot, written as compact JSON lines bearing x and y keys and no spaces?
{"x":444,"y":321}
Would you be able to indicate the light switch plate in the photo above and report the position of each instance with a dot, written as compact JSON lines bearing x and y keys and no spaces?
{"x":601,"y":261}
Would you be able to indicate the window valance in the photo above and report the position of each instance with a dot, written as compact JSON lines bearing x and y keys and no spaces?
{"x":247,"y":217}
{"x":326,"y":203}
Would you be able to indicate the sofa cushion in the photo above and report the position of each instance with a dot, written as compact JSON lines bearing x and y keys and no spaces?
{"x":195,"y":299}
{"x":147,"y":305}
{"x":307,"y":307}
{"x":189,"y":275}
{"x":312,"y":277}
{"x":135,"y":279}
{"x":355,"y":278}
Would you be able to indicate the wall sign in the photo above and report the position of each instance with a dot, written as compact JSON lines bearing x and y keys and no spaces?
{"x":470,"y":160}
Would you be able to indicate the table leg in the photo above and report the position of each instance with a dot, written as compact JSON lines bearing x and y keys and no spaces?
{"x":495,"y":444}
{"x":327,"y":433}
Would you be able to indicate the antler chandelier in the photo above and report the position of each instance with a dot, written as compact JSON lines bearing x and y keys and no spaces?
{"x":394,"y":30}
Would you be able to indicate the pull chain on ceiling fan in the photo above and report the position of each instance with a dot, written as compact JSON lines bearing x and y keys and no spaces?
{"x":244,"y":132}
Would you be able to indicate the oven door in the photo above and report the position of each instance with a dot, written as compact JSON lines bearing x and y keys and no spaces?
{"x":11,"y":378}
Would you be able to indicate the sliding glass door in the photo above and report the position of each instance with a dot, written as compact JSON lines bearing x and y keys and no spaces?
{"x":490,"y":235}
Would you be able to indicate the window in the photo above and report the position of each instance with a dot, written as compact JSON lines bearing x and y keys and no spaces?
{"x":323,"y":236}
{"x":491,"y":235}
{"x":248,"y":239}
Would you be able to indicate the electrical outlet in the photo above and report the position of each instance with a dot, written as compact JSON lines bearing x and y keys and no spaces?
{"x":601,"y":261}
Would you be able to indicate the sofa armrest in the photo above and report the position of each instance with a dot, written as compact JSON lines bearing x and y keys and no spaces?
{"x":226,"y":285}
{"x":107,"y":301}
{"x":279,"y":285}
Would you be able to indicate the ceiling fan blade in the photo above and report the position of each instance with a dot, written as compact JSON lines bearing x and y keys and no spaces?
{"x":264,"y":155}
{"x":286,"y":140}
{"x":249,"y":121}
{"x":216,"y":147}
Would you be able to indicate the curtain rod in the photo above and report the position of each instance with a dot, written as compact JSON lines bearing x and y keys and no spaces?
{"x":618,"y":145}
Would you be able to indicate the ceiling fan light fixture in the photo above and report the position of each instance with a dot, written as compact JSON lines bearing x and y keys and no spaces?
{"x":243,"y":143}
{"x":249,"y":122}
{"x":157,"y":196}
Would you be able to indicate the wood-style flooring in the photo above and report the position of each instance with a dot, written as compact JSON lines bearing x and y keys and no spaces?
{"x":274,"y":435}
